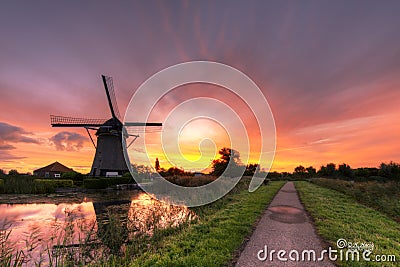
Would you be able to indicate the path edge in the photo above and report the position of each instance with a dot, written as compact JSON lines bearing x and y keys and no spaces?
{"x":236,"y":254}
{"x":324,"y":244}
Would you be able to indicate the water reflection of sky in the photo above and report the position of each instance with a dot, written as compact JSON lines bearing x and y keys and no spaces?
{"x":26,"y":218}
{"x":45,"y":218}
{"x":23,"y":214}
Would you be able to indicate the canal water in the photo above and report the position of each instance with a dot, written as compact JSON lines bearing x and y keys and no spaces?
{"x":37,"y":223}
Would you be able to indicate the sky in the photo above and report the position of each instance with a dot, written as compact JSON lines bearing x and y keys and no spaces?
{"x":330,"y":71}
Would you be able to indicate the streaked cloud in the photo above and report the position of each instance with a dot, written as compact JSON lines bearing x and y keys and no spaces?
{"x":10,"y":137}
{"x":14,"y":134}
{"x":329,"y":69}
{"x":5,"y":156}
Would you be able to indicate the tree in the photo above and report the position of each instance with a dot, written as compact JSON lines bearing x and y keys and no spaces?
{"x":300,"y":170}
{"x":345,"y":170}
{"x":13,"y":172}
{"x":274,"y":175}
{"x":331,"y":169}
{"x":174,"y":171}
{"x":251,"y":169}
{"x":311,"y":171}
{"x":328,"y":171}
{"x":141,"y":172}
{"x":390,"y":171}
{"x":2,"y":173}
{"x":228,"y":157}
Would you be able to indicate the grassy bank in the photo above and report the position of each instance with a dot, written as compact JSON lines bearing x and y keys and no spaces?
{"x":212,"y":240}
{"x":384,"y":197}
{"x":203,"y":236}
{"x":338,"y":216}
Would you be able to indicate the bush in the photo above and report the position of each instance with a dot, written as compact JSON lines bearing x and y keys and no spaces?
{"x":74,"y":176}
{"x":99,"y":183}
{"x":121,"y":180}
{"x":1,"y":186}
{"x":43,"y":186}
{"x":49,"y":185}
{"x":266,"y":181}
{"x":63,"y":183}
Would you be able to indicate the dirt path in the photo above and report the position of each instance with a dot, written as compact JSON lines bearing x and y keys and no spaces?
{"x":283,"y":226}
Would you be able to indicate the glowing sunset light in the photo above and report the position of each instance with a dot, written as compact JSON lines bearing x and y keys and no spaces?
{"x":329,"y":70}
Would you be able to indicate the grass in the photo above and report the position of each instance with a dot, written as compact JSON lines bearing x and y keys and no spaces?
{"x":384,"y":197}
{"x":337,"y":215}
{"x":206,"y":236}
{"x":191,"y":181}
{"x":212,"y":241}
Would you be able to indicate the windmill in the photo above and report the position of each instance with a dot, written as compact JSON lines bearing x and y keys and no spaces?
{"x":109,"y":158}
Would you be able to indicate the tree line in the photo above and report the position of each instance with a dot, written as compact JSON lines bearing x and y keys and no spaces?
{"x":385,"y":171}
{"x":229,"y":159}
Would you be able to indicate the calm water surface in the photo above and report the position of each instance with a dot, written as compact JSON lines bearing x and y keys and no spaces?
{"x":50,"y":220}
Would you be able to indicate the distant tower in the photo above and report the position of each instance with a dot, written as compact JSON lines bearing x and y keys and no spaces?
{"x":157,"y":165}
{"x":109,"y":158}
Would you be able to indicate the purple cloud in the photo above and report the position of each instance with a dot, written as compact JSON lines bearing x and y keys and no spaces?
{"x":14,"y":134}
{"x":68,"y":141}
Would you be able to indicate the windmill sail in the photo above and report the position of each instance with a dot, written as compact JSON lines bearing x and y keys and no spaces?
{"x":62,"y":121}
{"x":109,"y":158}
{"x":112,"y":102}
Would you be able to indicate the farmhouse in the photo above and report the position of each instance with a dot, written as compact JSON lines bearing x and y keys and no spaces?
{"x":54,"y":170}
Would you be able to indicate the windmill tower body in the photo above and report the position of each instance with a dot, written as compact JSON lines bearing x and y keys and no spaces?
{"x":109,"y":159}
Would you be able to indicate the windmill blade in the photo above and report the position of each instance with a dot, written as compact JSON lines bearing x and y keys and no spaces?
{"x":112,"y":101}
{"x":147,"y":127}
{"x":133,"y":140}
{"x":129,"y":124}
{"x":61,"y":121}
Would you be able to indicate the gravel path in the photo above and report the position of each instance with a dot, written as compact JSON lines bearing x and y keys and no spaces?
{"x":283,"y":226}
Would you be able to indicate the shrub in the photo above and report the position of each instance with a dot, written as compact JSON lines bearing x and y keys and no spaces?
{"x":121,"y":180}
{"x":63,"y":183}
{"x":96,"y":183}
{"x":127,"y":175}
{"x":74,"y":176}
{"x":43,"y":186}
{"x":266,"y":181}
{"x":49,"y":185}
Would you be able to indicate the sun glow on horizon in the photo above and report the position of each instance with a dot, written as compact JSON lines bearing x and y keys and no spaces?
{"x":333,"y":88}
